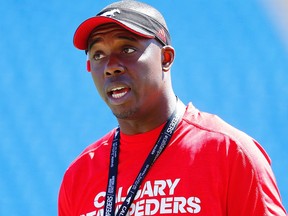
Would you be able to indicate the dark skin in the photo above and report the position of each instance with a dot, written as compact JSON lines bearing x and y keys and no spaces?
{"x":132,"y":75}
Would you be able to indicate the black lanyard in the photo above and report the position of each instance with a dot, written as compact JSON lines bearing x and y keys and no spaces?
{"x":162,"y":142}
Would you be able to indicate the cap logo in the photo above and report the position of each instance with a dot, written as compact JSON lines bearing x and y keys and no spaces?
{"x":111,"y":13}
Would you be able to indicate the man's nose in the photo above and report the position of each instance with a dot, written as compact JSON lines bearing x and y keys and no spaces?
{"x":114,"y":67}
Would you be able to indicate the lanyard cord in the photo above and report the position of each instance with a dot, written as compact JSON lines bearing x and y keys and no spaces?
{"x":160,"y":145}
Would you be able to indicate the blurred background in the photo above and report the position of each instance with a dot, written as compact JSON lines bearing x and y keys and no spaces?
{"x":231,"y":60}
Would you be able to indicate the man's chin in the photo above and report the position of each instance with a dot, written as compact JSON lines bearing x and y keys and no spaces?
{"x":129,"y":114}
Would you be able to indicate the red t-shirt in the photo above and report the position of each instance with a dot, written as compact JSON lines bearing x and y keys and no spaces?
{"x":208,"y":168}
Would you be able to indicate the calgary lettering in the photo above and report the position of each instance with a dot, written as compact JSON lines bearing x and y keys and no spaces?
{"x":153,"y":198}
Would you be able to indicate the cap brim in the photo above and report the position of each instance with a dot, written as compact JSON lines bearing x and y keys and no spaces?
{"x":84,"y":30}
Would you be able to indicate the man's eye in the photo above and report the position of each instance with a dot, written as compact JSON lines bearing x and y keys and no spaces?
{"x":98,"y":56}
{"x":128,"y":50}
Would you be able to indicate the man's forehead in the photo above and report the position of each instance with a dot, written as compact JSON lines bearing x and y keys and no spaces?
{"x":109,"y":28}
{"x":113,"y":30}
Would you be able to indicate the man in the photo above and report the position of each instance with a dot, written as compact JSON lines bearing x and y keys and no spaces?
{"x":164,"y":158}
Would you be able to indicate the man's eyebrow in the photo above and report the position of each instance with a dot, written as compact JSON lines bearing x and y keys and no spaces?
{"x":120,"y":37}
{"x":94,"y":41}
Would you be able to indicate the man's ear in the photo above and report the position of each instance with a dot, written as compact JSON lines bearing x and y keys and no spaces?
{"x":168,"y":54}
{"x":88,"y":65}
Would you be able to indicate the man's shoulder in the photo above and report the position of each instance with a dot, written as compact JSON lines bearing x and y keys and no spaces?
{"x":104,"y":141}
{"x":213,"y":127}
{"x":212,"y":123}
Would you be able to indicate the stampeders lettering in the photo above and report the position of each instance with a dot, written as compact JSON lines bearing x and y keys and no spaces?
{"x":154,"y":198}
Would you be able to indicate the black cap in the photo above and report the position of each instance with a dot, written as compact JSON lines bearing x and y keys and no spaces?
{"x":137,"y":17}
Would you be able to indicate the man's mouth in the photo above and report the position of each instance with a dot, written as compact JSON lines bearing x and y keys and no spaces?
{"x":118,"y":92}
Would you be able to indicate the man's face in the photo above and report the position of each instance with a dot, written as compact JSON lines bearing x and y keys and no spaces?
{"x":127,"y":71}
